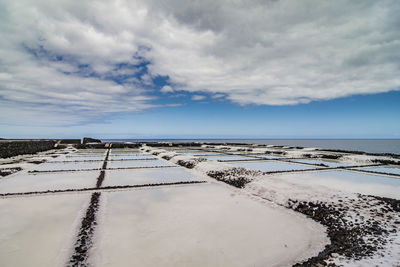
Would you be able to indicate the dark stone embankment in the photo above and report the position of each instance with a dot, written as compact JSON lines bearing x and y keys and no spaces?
{"x":70,"y":141}
{"x":90,"y":140}
{"x":21,"y":147}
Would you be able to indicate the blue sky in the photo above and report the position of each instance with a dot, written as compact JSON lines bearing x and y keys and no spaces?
{"x":204,"y":69}
{"x":368,"y":116}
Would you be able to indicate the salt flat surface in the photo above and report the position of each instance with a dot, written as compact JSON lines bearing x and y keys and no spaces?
{"x":137,"y":163}
{"x":128,"y":150}
{"x":188,"y":151}
{"x":269,"y":157}
{"x":69,"y":166}
{"x":328,"y":163}
{"x":216,"y":158}
{"x":38,"y":231}
{"x":200,"y":225}
{"x":234,"y":152}
{"x":270,"y":166}
{"x":347,"y":181}
{"x":393,"y":170}
{"x":134,"y":157}
{"x":26,"y":182}
{"x":88,"y":151}
{"x":77,"y":158}
{"x":201,"y":153}
{"x":81,"y":154}
{"x":147,"y":176}
{"x":126,"y":154}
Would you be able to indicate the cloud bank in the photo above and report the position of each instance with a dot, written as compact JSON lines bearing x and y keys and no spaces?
{"x":74,"y":61}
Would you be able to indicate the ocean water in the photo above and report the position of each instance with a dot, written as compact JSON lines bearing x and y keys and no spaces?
{"x":365,"y":145}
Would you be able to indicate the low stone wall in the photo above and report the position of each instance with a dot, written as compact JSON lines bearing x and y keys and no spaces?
{"x":15,"y":148}
{"x":70,"y":141}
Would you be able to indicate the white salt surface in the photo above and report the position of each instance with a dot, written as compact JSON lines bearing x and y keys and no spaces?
{"x":347,"y":181}
{"x":127,"y":151}
{"x":382,"y":169}
{"x":147,"y":176}
{"x":270,"y":166}
{"x":25,"y":182}
{"x":39,"y":231}
{"x":216,"y":158}
{"x":269,"y":157}
{"x":137,"y":163}
{"x":77,"y":154}
{"x":327,"y":163}
{"x":235,"y":152}
{"x":88,"y":151}
{"x":202,"y":153}
{"x":134,"y":157}
{"x":77,"y":158}
{"x":188,"y":151}
{"x":200,"y":225}
{"x":69,"y":166}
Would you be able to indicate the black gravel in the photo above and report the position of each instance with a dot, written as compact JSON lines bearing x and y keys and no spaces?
{"x":234,"y":176}
{"x":167,"y":157}
{"x":190,"y":164}
{"x":354,"y":238}
{"x":8,"y":171}
{"x":84,"y":241}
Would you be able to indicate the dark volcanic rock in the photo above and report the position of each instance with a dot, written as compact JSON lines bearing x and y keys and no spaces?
{"x":233,"y":176}
{"x":70,"y":141}
{"x":352,"y":239}
{"x":15,"y":148}
{"x":8,"y":171}
{"x":190,"y":163}
{"x":166,"y":157}
{"x":84,"y":241}
{"x":90,"y":140}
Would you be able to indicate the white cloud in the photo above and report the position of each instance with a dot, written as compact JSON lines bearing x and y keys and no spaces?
{"x":166,"y":89}
{"x":198,"y":97}
{"x":84,"y":60}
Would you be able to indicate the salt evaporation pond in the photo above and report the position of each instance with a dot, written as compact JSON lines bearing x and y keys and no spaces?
{"x":269,"y":157}
{"x":348,"y":181}
{"x":202,"y":153}
{"x":392,"y":170}
{"x":78,"y":158}
{"x":222,"y":158}
{"x":270,"y":166}
{"x":327,"y":163}
{"x":132,"y":157}
{"x":26,"y":182}
{"x":69,"y":166}
{"x":40,"y":230}
{"x":122,"y":151}
{"x":138,"y":163}
{"x":147,"y":176}
{"x":199,"y":225}
{"x":187,"y":151}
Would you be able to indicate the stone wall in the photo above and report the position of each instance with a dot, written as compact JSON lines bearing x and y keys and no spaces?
{"x":15,"y":148}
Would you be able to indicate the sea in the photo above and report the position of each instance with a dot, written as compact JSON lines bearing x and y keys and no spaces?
{"x":391,"y":146}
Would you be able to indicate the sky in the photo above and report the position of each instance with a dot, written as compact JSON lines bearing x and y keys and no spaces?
{"x":200,"y":69}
